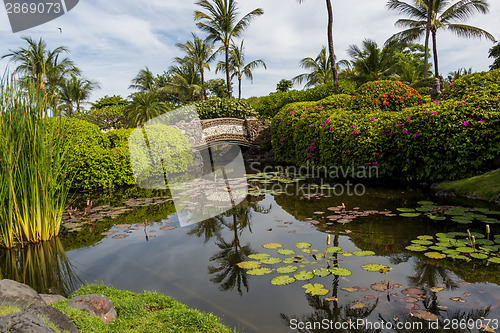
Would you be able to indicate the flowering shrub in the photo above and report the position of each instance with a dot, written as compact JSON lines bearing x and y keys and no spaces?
{"x":385,"y":96}
{"x":476,"y":90}
{"x":445,"y":140}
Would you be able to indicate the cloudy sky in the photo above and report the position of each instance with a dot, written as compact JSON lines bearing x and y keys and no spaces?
{"x":112,"y":40}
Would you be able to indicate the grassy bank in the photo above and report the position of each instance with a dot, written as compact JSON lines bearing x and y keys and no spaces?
{"x":484,"y":187}
{"x":145,"y":312}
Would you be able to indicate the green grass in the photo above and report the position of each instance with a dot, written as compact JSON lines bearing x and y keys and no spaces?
{"x":484,"y":187}
{"x":6,"y":309}
{"x":145,"y":312}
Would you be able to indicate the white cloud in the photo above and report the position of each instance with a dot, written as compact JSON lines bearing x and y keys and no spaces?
{"x":112,"y":40}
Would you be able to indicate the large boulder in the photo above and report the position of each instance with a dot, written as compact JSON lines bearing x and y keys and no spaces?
{"x":23,"y":322}
{"x":19,"y":295}
{"x":97,"y":305}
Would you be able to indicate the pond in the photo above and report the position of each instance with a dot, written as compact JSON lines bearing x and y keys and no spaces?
{"x":354,"y":263}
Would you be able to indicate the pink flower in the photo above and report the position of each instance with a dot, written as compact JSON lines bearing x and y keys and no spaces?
{"x":377,"y":154}
{"x":354,"y":132}
{"x":375,"y":163}
{"x":466,"y":123}
{"x":433,"y":112}
{"x":328,"y":121}
{"x":407,"y":161}
{"x":372,"y":118}
{"x":405,"y":131}
{"x":417,"y":135}
{"x":391,"y":133}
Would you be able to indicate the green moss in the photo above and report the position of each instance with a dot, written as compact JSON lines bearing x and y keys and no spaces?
{"x":145,"y":312}
{"x":484,"y":187}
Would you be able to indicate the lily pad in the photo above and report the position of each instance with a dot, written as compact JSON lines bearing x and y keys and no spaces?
{"x":303,"y":245}
{"x":282,"y":280}
{"x":286,"y":269}
{"x":340,"y":271}
{"x":303,"y":275}
{"x":478,"y":256}
{"x":373,"y":267}
{"x":422,"y":242}
{"x":259,"y":256}
{"x":413,"y":292}
{"x":271,"y":261}
{"x":358,"y":305}
{"x":438,"y":248}
{"x":272,"y":245}
{"x":286,"y":252}
{"x":437,"y":218}
{"x":409,"y":214}
{"x":484,"y":242}
{"x":437,"y":289}
{"x":495,"y":260}
{"x":458,"y":256}
{"x":363,"y":253}
{"x":259,"y":271}
{"x":249,"y":264}
{"x":465,"y":249}
{"x":425,"y":315}
{"x":435,"y":255}
{"x":321,"y":272}
{"x":406,"y":210}
{"x":425,"y":237}
{"x":333,"y":249}
{"x":489,"y":248}
{"x":315,"y":289}
{"x":416,"y":248}
{"x":379,"y":286}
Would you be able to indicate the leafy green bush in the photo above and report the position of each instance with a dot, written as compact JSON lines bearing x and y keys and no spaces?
{"x":336,"y":101}
{"x":106,"y":117}
{"x":427,"y":142}
{"x":118,"y":138}
{"x":477,"y":90}
{"x":216,"y":107}
{"x":385,"y":95}
{"x":269,"y":106}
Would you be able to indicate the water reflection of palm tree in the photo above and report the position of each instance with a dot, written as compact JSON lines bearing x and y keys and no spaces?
{"x":43,"y":266}
{"x":427,"y":275}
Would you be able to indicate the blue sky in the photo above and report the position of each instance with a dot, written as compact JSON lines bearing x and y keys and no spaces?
{"x":112,"y":40}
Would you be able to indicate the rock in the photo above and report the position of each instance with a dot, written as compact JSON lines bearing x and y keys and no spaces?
{"x":50,"y":298}
{"x":446,"y":193}
{"x":23,"y":322}
{"x":19,"y":295}
{"x":97,"y":305}
{"x":56,"y":317}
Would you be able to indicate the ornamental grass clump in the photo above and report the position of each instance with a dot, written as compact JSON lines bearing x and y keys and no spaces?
{"x":32,"y":184}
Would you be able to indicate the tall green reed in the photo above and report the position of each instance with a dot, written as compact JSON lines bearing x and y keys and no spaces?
{"x":32,"y":185}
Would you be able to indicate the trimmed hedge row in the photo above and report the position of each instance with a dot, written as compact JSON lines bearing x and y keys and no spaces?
{"x":444,"y":140}
{"x":216,"y":107}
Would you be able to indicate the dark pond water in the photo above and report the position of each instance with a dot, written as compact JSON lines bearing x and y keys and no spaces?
{"x":197,"y":264}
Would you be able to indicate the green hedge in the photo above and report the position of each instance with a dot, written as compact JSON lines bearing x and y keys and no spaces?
{"x":269,"y":106}
{"x":216,"y":107}
{"x":444,"y":140}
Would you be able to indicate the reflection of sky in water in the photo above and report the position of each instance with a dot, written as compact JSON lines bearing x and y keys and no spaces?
{"x":177,"y":264}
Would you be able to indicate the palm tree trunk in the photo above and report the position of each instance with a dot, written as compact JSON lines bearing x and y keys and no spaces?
{"x":434,"y":50}
{"x":427,"y":33}
{"x":203,"y":84}
{"x":330,"y":46}
{"x":228,"y":80}
{"x":239,"y":88}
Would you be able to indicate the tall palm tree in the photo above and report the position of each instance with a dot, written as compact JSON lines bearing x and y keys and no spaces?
{"x":201,"y":53}
{"x":443,"y":15}
{"x":76,"y":91}
{"x":494,"y":53}
{"x":184,"y":80}
{"x":320,"y":70}
{"x":143,"y":81}
{"x":333,"y":62}
{"x":38,"y":64}
{"x":370,"y":62}
{"x":221,"y":25}
{"x":237,"y":65}
{"x":145,"y":105}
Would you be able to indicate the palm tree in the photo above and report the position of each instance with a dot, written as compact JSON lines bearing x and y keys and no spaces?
{"x":370,"y":62}
{"x":333,"y":63}
{"x":221,"y":25}
{"x":143,"y":81}
{"x":75,"y":90}
{"x":320,"y":70}
{"x":443,"y":16}
{"x":145,"y":105}
{"x":184,"y":81}
{"x":494,"y":52}
{"x":38,"y":64}
{"x":237,"y":65}
{"x":201,"y":53}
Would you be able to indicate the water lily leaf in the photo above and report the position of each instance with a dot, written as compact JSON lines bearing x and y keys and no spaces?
{"x":332,"y":299}
{"x":358,"y":305}
{"x":416,"y":247}
{"x":346,"y":254}
{"x":303,"y":275}
{"x":435,"y":255}
{"x":259,"y":256}
{"x":425,"y":315}
{"x":286,"y":252}
{"x":425,"y":209}
{"x":438,"y":248}
{"x":484,"y":242}
{"x":379,"y":286}
{"x":458,"y":256}
{"x":457,"y":234}
{"x":333,"y":249}
{"x":271,"y":261}
{"x":351,"y":289}
{"x":477,"y":235}
{"x":321,"y":272}
{"x":422,"y":242}
{"x":306,"y":251}
{"x":406,"y":210}
{"x":340,"y":271}
{"x":437,"y":289}
{"x":409,"y":214}
{"x":373,"y":267}
{"x":315,"y":289}
{"x":423,"y":203}
{"x":363,"y":253}
{"x":437,"y":218}
{"x":412,"y":292}
{"x":249,"y":264}
{"x":303,"y":245}
{"x":465,"y":249}
{"x":494,"y":260}
{"x":272,"y":245}
{"x":443,"y":244}
{"x":282,"y":280}
{"x":442,"y":235}
{"x":488,"y":248}
{"x":286,"y":269}
{"x":425,"y":237}
{"x":259,"y":271}
{"x":385,"y":269}
{"x":478,"y":255}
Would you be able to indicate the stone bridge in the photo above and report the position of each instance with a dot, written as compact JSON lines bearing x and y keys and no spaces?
{"x":249,"y":132}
